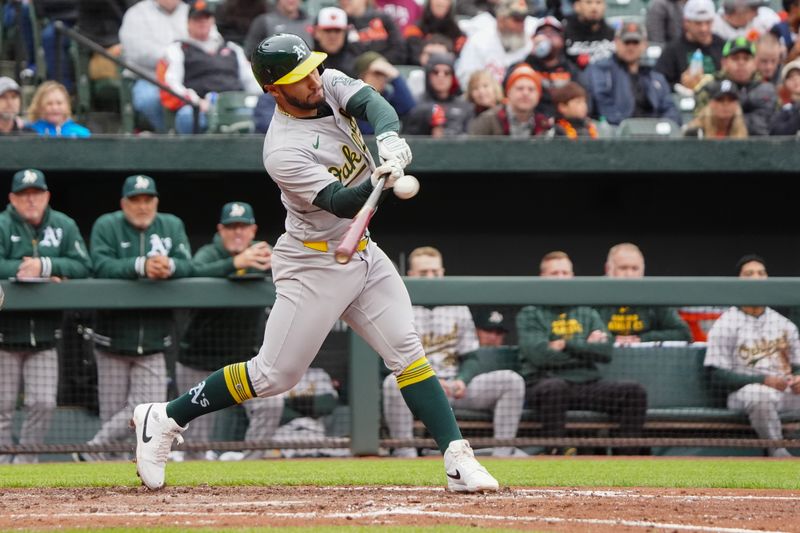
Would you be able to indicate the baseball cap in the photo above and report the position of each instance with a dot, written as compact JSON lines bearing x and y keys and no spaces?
{"x":523,"y":70}
{"x":631,"y":31}
{"x":748,"y":259}
{"x":139,"y":184}
{"x":7,"y":84}
{"x":237,"y":212}
{"x":364,"y":61}
{"x":739,"y":44}
{"x":718,"y":89}
{"x":200,"y":8}
{"x":789,"y":67}
{"x":29,"y":178}
{"x":550,"y":21}
{"x":491,"y":319}
{"x":508,"y":8}
{"x":332,"y":18}
{"x":699,"y":10}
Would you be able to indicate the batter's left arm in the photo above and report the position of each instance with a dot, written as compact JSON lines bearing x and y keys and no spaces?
{"x":367,"y":104}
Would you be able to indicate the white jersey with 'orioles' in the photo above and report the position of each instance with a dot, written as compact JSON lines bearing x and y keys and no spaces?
{"x":304,"y":156}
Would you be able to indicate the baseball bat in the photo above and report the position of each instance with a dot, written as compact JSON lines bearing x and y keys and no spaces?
{"x":347,"y":247}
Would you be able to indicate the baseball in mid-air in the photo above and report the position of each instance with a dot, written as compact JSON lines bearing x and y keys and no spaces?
{"x":406,"y":187}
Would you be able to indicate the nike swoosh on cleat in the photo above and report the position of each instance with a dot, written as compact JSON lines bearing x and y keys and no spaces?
{"x":146,"y":439}
{"x":457,"y":475}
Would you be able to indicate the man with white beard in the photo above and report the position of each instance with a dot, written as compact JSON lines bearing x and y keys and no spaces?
{"x":498,"y":45}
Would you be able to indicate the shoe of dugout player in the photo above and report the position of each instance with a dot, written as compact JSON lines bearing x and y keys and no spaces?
{"x":155,"y":432}
{"x":464,"y":473}
{"x":405,"y":452}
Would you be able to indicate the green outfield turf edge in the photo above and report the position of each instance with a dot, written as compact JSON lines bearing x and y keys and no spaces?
{"x":525,"y":472}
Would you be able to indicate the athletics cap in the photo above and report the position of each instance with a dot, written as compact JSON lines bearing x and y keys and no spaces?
{"x":490,"y":319}
{"x":237,"y":213}
{"x":29,"y":178}
{"x":139,"y":184}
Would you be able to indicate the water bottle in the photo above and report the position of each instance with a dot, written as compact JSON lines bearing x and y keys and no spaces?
{"x":696,"y":63}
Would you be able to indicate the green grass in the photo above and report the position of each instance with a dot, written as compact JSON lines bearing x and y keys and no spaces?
{"x":534,"y":472}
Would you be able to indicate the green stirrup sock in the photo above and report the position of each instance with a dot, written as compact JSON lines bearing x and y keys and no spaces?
{"x":427,"y":401}
{"x":225,"y":387}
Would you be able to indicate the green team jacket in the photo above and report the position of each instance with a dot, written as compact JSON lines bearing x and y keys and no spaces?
{"x":60,"y":246}
{"x":119,"y":251}
{"x":219,"y":337}
{"x":649,"y":323}
{"x":536,"y":326}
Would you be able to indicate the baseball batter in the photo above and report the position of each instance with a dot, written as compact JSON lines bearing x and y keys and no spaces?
{"x":315,"y":154}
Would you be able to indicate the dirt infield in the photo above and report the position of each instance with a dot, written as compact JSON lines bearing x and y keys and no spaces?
{"x":545,"y":509}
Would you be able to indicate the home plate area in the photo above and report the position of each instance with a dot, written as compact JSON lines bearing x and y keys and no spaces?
{"x":541,"y":509}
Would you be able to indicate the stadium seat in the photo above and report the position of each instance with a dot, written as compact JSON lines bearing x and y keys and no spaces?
{"x":648,"y":127}
{"x":233,"y":113}
{"x":685,"y":105}
{"x":625,"y":8}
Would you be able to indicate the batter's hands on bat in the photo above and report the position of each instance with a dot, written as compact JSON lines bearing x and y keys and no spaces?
{"x":392,"y":170}
{"x":157,"y":267}
{"x":258,"y":256}
{"x":392,"y":147}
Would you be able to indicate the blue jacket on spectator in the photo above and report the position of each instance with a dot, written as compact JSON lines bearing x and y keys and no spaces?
{"x":399,"y":96}
{"x":262,"y":114}
{"x":67,"y":129}
{"x":611,"y":96}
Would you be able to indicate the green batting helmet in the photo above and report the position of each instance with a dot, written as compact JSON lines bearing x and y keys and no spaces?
{"x":282,"y":59}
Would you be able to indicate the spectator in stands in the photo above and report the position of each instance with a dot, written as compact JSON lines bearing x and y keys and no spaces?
{"x":587,"y":35}
{"x":136,"y":242}
{"x":384,"y":77}
{"x":472,"y":8}
{"x":147,"y":29}
{"x":518,"y":116}
{"x":559,"y":348}
{"x":288,"y":17}
{"x":787,"y":120}
{"x":441,"y":112}
{"x":50,"y":112}
{"x":789,"y":26}
{"x":722,"y":118}
{"x":417,"y":79}
{"x":491,"y":327}
{"x":373,"y":30}
{"x":404,"y":13}
{"x":620,"y":88}
{"x":483,"y":92}
{"x":744,"y":18}
{"x":263,"y":112}
{"x":769,"y":56}
{"x":447,"y":334}
{"x":674,"y":62}
{"x":634,"y":324}
{"x":664,"y":20}
{"x":437,"y":18}
{"x":100,"y":22}
{"x":330,"y":36}
{"x":39,"y":243}
{"x":50,"y":11}
{"x":234,"y":18}
{"x":757,"y":97}
{"x":217,"y":337}
{"x":550,"y":61}
{"x":754,"y":357}
{"x":572,"y":113}
{"x":10,"y":106}
{"x":200,"y":67}
{"x":496,"y":46}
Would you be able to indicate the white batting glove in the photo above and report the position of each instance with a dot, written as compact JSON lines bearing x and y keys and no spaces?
{"x":392,"y":147}
{"x":391,"y":169}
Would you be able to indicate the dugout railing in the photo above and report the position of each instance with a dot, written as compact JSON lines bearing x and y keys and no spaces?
{"x":696,"y":420}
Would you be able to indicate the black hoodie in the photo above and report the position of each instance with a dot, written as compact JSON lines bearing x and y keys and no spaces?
{"x":585,"y":44}
{"x":452,"y":113}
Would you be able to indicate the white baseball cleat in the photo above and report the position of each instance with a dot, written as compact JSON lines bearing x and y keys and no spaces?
{"x":155,"y":432}
{"x":464,"y":473}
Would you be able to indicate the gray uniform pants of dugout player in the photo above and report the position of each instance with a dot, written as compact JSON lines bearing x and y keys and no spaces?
{"x":763,"y":406}
{"x":39,"y":373}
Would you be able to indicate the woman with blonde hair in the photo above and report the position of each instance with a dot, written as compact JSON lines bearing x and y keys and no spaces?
{"x":483,"y":91}
{"x":722,"y":118}
{"x":50,"y":112}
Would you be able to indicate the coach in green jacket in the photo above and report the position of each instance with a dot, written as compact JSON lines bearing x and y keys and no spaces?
{"x":37,"y":244}
{"x":219,"y":337}
{"x":136,"y":242}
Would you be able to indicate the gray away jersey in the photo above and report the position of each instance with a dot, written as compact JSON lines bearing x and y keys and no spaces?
{"x":447,"y":332}
{"x":746,"y":344}
{"x":303,"y":156}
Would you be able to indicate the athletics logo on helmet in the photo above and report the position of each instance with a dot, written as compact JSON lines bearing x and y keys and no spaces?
{"x":283,"y":59}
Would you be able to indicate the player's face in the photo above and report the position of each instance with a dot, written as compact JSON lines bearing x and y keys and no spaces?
{"x":753,"y":270}
{"x":30,"y":204}
{"x":626,"y":264}
{"x":491,"y":337}
{"x":556,"y":268}
{"x":140,"y":210}
{"x":698,"y":31}
{"x":426,"y":266}
{"x":304,"y":95}
{"x":54,"y":107}
{"x":237,"y":237}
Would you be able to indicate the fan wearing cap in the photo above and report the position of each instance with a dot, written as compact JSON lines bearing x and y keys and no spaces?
{"x":587,"y":35}
{"x":38,"y":244}
{"x":498,"y":45}
{"x":757,"y":97}
{"x":518,"y":116}
{"x":373,"y":30}
{"x":744,"y":18}
{"x":330,"y":37}
{"x":10,"y":105}
{"x":219,"y":337}
{"x":374,"y":70}
{"x":201,"y":66}
{"x":620,"y":88}
{"x":491,"y":326}
{"x":696,"y":35}
{"x":722,"y":117}
{"x":287,"y":16}
{"x":787,"y":120}
{"x":441,"y":111}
